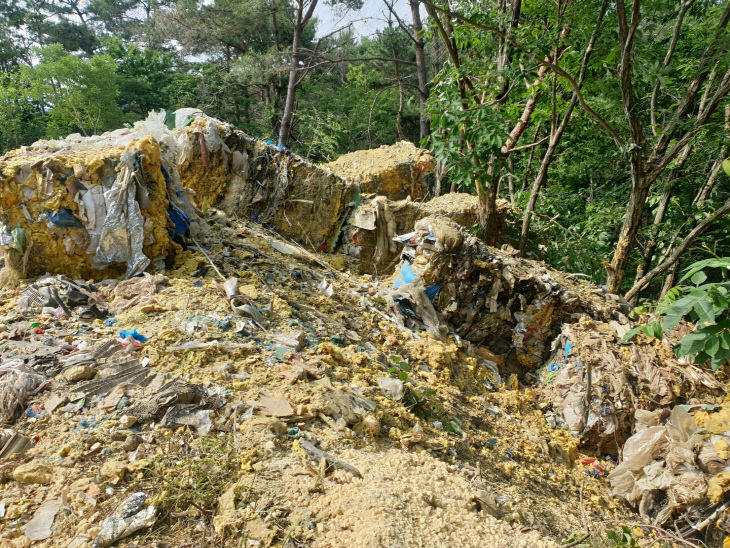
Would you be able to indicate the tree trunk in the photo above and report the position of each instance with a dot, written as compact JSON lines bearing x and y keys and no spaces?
{"x":704,"y":192}
{"x":654,"y":236}
{"x":530,"y":158}
{"x":716,"y":170}
{"x":487,"y":193}
{"x":291,"y":90}
{"x":616,"y":270}
{"x":557,"y":133}
{"x":669,"y":281}
{"x":681,"y":248}
{"x":659,"y":215}
{"x":420,"y":68}
{"x":399,"y":81}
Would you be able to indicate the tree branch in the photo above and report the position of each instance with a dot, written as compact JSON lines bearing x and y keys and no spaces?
{"x":681,"y":248}
{"x":576,"y":89}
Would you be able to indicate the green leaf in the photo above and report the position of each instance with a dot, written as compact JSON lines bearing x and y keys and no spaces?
{"x":726,"y":167}
{"x":712,"y":346}
{"x":691,"y":344}
{"x":632,"y":333}
{"x":725,"y":339}
{"x":698,"y":277}
{"x":670,"y":322}
{"x":704,"y":310}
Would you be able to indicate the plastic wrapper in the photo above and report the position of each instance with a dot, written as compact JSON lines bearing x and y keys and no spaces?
{"x":630,"y":384}
{"x":129,"y":517}
{"x":670,"y":468}
{"x":122,"y":236}
{"x":17,"y":383}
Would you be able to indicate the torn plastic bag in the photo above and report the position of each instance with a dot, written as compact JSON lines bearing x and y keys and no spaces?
{"x":188,"y":415}
{"x":64,"y":218}
{"x":179,"y":219}
{"x":406,"y":276}
{"x":17,"y":383}
{"x":184,"y":116}
{"x":413,"y":309}
{"x":122,"y":236}
{"x":129,"y":517}
{"x":92,"y":210}
{"x":6,"y":236}
{"x":19,"y":238}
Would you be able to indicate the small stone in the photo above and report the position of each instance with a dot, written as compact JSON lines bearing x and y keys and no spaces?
{"x":278,"y":428}
{"x":128,"y":421}
{"x":79,"y":373}
{"x":131,"y":442}
{"x":118,"y":435}
{"x":33,"y":472}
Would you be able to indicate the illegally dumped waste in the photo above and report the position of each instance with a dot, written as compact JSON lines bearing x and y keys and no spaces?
{"x":226,"y":168}
{"x":674,"y":468}
{"x":41,"y":526}
{"x":252,"y":390}
{"x":130,"y":517}
{"x":59,"y":295}
{"x":84,"y":206}
{"x":596,"y":384}
{"x":487,"y":296}
{"x":17,"y":383}
{"x":371,"y":229}
{"x":395,"y":171}
{"x":87,"y":205}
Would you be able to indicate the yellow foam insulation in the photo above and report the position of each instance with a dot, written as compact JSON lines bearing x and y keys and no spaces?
{"x":395,"y":170}
{"x":34,"y":183}
{"x":298,"y":199}
{"x":209,"y":181}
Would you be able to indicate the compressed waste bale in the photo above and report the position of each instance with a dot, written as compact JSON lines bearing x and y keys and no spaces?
{"x":224,"y":167}
{"x":491,"y":297}
{"x":371,"y":227}
{"x":395,"y":171}
{"x":86,"y":206}
{"x":596,"y":383}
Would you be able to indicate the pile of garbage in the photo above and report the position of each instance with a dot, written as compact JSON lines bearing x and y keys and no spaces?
{"x":596,"y":384}
{"x":451,"y":282}
{"x":371,"y":229}
{"x":227,"y":169}
{"x":85,"y":206}
{"x":395,"y":171}
{"x":253,"y":390}
{"x":675,"y":466}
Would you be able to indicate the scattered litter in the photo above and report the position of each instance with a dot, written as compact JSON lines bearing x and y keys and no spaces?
{"x":40,"y":527}
{"x":392,"y":387}
{"x":129,"y":517}
{"x":309,"y":450}
{"x":275,"y":407}
{"x":17,"y":383}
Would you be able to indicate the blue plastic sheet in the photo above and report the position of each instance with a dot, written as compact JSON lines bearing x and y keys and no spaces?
{"x":133,"y":333}
{"x":64,"y":218}
{"x":406,"y":276}
{"x":180,"y":221}
{"x":432,"y":291}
